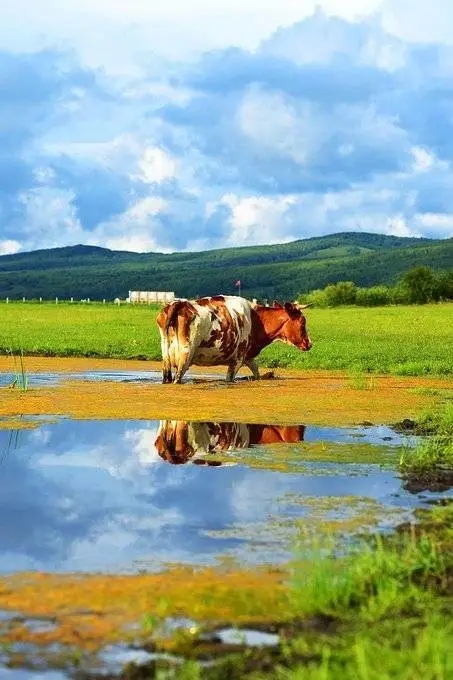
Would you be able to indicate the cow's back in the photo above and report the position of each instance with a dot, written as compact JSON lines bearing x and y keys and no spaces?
{"x":223,"y":332}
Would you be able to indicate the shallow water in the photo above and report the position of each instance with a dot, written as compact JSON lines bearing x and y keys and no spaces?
{"x":48,"y":379}
{"x":99,"y":495}
{"x":122,"y":496}
{"x":29,"y":674}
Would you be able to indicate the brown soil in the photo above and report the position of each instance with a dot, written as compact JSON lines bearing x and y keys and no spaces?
{"x":94,"y":610}
{"x":314,"y":397}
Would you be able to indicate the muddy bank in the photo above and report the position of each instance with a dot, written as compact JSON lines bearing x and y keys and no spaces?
{"x":317,"y":397}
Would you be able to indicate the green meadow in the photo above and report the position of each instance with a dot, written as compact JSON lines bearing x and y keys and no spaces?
{"x":404,"y":340}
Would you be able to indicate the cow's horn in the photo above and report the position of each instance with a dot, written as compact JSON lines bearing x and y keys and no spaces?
{"x":309,"y":304}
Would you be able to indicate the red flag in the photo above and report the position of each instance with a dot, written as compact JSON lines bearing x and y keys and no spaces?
{"x":238,"y":283}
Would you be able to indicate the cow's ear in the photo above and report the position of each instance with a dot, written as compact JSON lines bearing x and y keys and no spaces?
{"x":277,"y":304}
{"x":292,"y":310}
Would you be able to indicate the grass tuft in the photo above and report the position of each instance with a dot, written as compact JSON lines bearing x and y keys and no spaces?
{"x":436,"y":450}
{"x":20,"y":379}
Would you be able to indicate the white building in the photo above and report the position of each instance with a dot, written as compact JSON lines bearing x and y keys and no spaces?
{"x":148,"y":297}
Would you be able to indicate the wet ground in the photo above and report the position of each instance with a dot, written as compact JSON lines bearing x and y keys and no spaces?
{"x":132,"y":495}
{"x":99,"y":389}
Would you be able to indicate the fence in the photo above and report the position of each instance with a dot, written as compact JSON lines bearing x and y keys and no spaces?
{"x":142,"y":297}
{"x":55,"y":300}
{"x":135,"y":297}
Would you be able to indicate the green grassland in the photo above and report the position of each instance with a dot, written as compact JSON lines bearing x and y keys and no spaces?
{"x":270,"y":271}
{"x":405,"y":340}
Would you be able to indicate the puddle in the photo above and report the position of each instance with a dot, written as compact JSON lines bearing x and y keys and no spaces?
{"x":245,"y":636}
{"x":132,"y":496}
{"x":49,"y":379}
{"x":29,"y":674}
{"x":107,"y":496}
{"x":116,"y":656}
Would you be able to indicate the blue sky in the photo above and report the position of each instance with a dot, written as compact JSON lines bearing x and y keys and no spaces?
{"x":202,"y":125}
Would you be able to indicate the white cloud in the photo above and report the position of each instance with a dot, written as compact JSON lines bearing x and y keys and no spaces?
{"x":441,"y":223}
{"x":142,"y":444}
{"x":120,"y":153}
{"x":397,"y":226}
{"x":118,"y":36}
{"x":273,"y":123}
{"x":420,"y":21}
{"x":133,"y":230}
{"x":258,"y":219}
{"x":9,"y":246}
{"x":50,"y":218}
{"x":325,"y":125}
{"x":156,"y":165}
{"x":424,"y":160}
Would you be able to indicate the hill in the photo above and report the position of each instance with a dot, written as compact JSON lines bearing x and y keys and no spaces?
{"x":265,"y":271}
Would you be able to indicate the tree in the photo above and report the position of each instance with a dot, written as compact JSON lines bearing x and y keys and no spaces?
{"x":373,"y":297}
{"x":420,"y":283}
{"x":444,"y":286}
{"x":341,"y":293}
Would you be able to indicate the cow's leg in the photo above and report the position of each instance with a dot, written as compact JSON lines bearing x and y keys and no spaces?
{"x":166,"y":364}
{"x":251,"y":363}
{"x":233,"y":368}
{"x":184,"y":361}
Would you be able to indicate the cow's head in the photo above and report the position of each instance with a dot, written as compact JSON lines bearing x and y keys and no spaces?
{"x":294,"y":328}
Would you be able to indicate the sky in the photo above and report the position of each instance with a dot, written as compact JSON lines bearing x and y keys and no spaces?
{"x":208,"y":124}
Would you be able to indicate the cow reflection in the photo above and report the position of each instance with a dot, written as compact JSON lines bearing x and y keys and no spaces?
{"x":179,"y":441}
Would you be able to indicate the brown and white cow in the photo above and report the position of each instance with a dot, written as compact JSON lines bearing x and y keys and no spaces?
{"x":225,"y":331}
{"x":179,"y":441}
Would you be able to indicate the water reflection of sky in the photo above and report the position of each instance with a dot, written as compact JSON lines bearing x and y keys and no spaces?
{"x":95,"y":495}
{"x":51,"y":379}
{"x":28,"y":674}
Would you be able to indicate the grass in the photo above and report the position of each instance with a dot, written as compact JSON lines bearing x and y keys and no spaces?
{"x":20,"y":379}
{"x":406,"y":340}
{"x":383,"y":612}
{"x":360,"y":380}
{"x":370,"y":584}
{"x":74,"y":330}
{"x":435,"y":452}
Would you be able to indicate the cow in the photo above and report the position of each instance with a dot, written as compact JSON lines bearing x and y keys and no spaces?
{"x":179,"y":441}
{"x":225,"y":331}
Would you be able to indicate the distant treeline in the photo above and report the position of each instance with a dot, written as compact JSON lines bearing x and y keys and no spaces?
{"x":419,"y":285}
{"x":278,"y":271}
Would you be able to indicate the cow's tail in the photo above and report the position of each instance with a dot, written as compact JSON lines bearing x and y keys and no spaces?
{"x":173,"y":310}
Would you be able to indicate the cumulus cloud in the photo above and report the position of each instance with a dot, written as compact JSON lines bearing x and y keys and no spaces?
{"x":308,"y":124}
{"x":8,"y":247}
{"x":175,"y":29}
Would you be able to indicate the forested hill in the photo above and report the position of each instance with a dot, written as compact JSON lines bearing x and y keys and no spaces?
{"x":265,"y":271}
